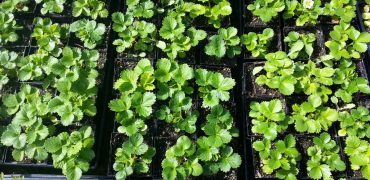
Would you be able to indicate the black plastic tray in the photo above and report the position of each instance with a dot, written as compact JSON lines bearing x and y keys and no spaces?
{"x":105,"y":127}
{"x":98,"y":164}
{"x":249,"y":92}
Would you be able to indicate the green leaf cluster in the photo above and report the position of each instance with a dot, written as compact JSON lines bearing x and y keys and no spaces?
{"x":258,"y":44}
{"x":74,"y":100}
{"x":179,"y":34}
{"x":51,"y":6}
{"x":366,"y":15}
{"x":180,"y":162}
{"x":343,"y":10}
{"x":218,"y":128}
{"x":90,"y":32}
{"x":226,"y":160}
{"x":213,"y":11}
{"x":186,"y":159}
{"x":8,"y":60}
{"x":91,"y":8}
{"x":268,"y":118}
{"x":307,"y":12}
{"x":267,"y":9}
{"x":331,"y":76}
{"x":172,"y":81}
{"x":135,"y":28}
{"x":14,"y":5}
{"x":141,"y":8}
{"x":213,"y":87}
{"x":174,"y":87}
{"x":72,"y":152}
{"x":279,"y":73}
{"x":313,"y":79}
{"x":324,"y":158}
{"x":35,"y":66}
{"x":216,"y":13}
{"x":312,"y":116}
{"x":300,"y":44}
{"x":26,"y":133}
{"x":133,"y":156}
{"x":209,"y":154}
{"x":225,"y":42}
{"x":133,"y":33}
{"x":74,"y":76}
{"x":290,"y":77}
{"x":49,"y":35}
{"x":355,"y":123}
{"x":176,"y":35}
{"x":67,"y":93}
{"x":358,"y":152}
{"x":347,"y":42}
{"x":8,"y":28}
{"x":180,"y":39}
{"x":134,"y":106}
{"x":280,"y":157}
{"x":349,"y":80}
{"x":213,"y":149}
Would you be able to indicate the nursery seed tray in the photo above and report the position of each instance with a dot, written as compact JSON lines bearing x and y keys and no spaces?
{"x":161,"y":135}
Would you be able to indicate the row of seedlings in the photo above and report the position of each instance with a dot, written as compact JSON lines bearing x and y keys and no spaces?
{"x":178,"y":109}
{"x":306,"y":116}
{"x":49,"y":112}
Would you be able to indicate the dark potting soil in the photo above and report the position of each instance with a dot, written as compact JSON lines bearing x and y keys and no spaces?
{"x":361,"y":69}
{"x":102,"y":58}
{"x":326,"y":20}
{"x":24,"y":34}
{"x":254,"y":21}
{"x":290,"y":101}
{"x":232,"y":175}
{"x":166,"y":130}
{"x":31,"y":9}
{"x":19,"y":50}
{"x":213,"y":61}
{"x":302,"y":144}
{"x":161,"y":145}
{"x":135,"y":54}
{"x":225,"y":71}
{"x":2,"y":154}
{"x":190,"y":57}
{"x":356,"y":174}
{"x":363,"y":101}
{"x":201,"y":22}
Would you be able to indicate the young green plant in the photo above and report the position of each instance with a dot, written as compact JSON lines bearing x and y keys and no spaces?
{"x":258,"y":44}
{"x":281,"y":159}
{"x":90,"y":32}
